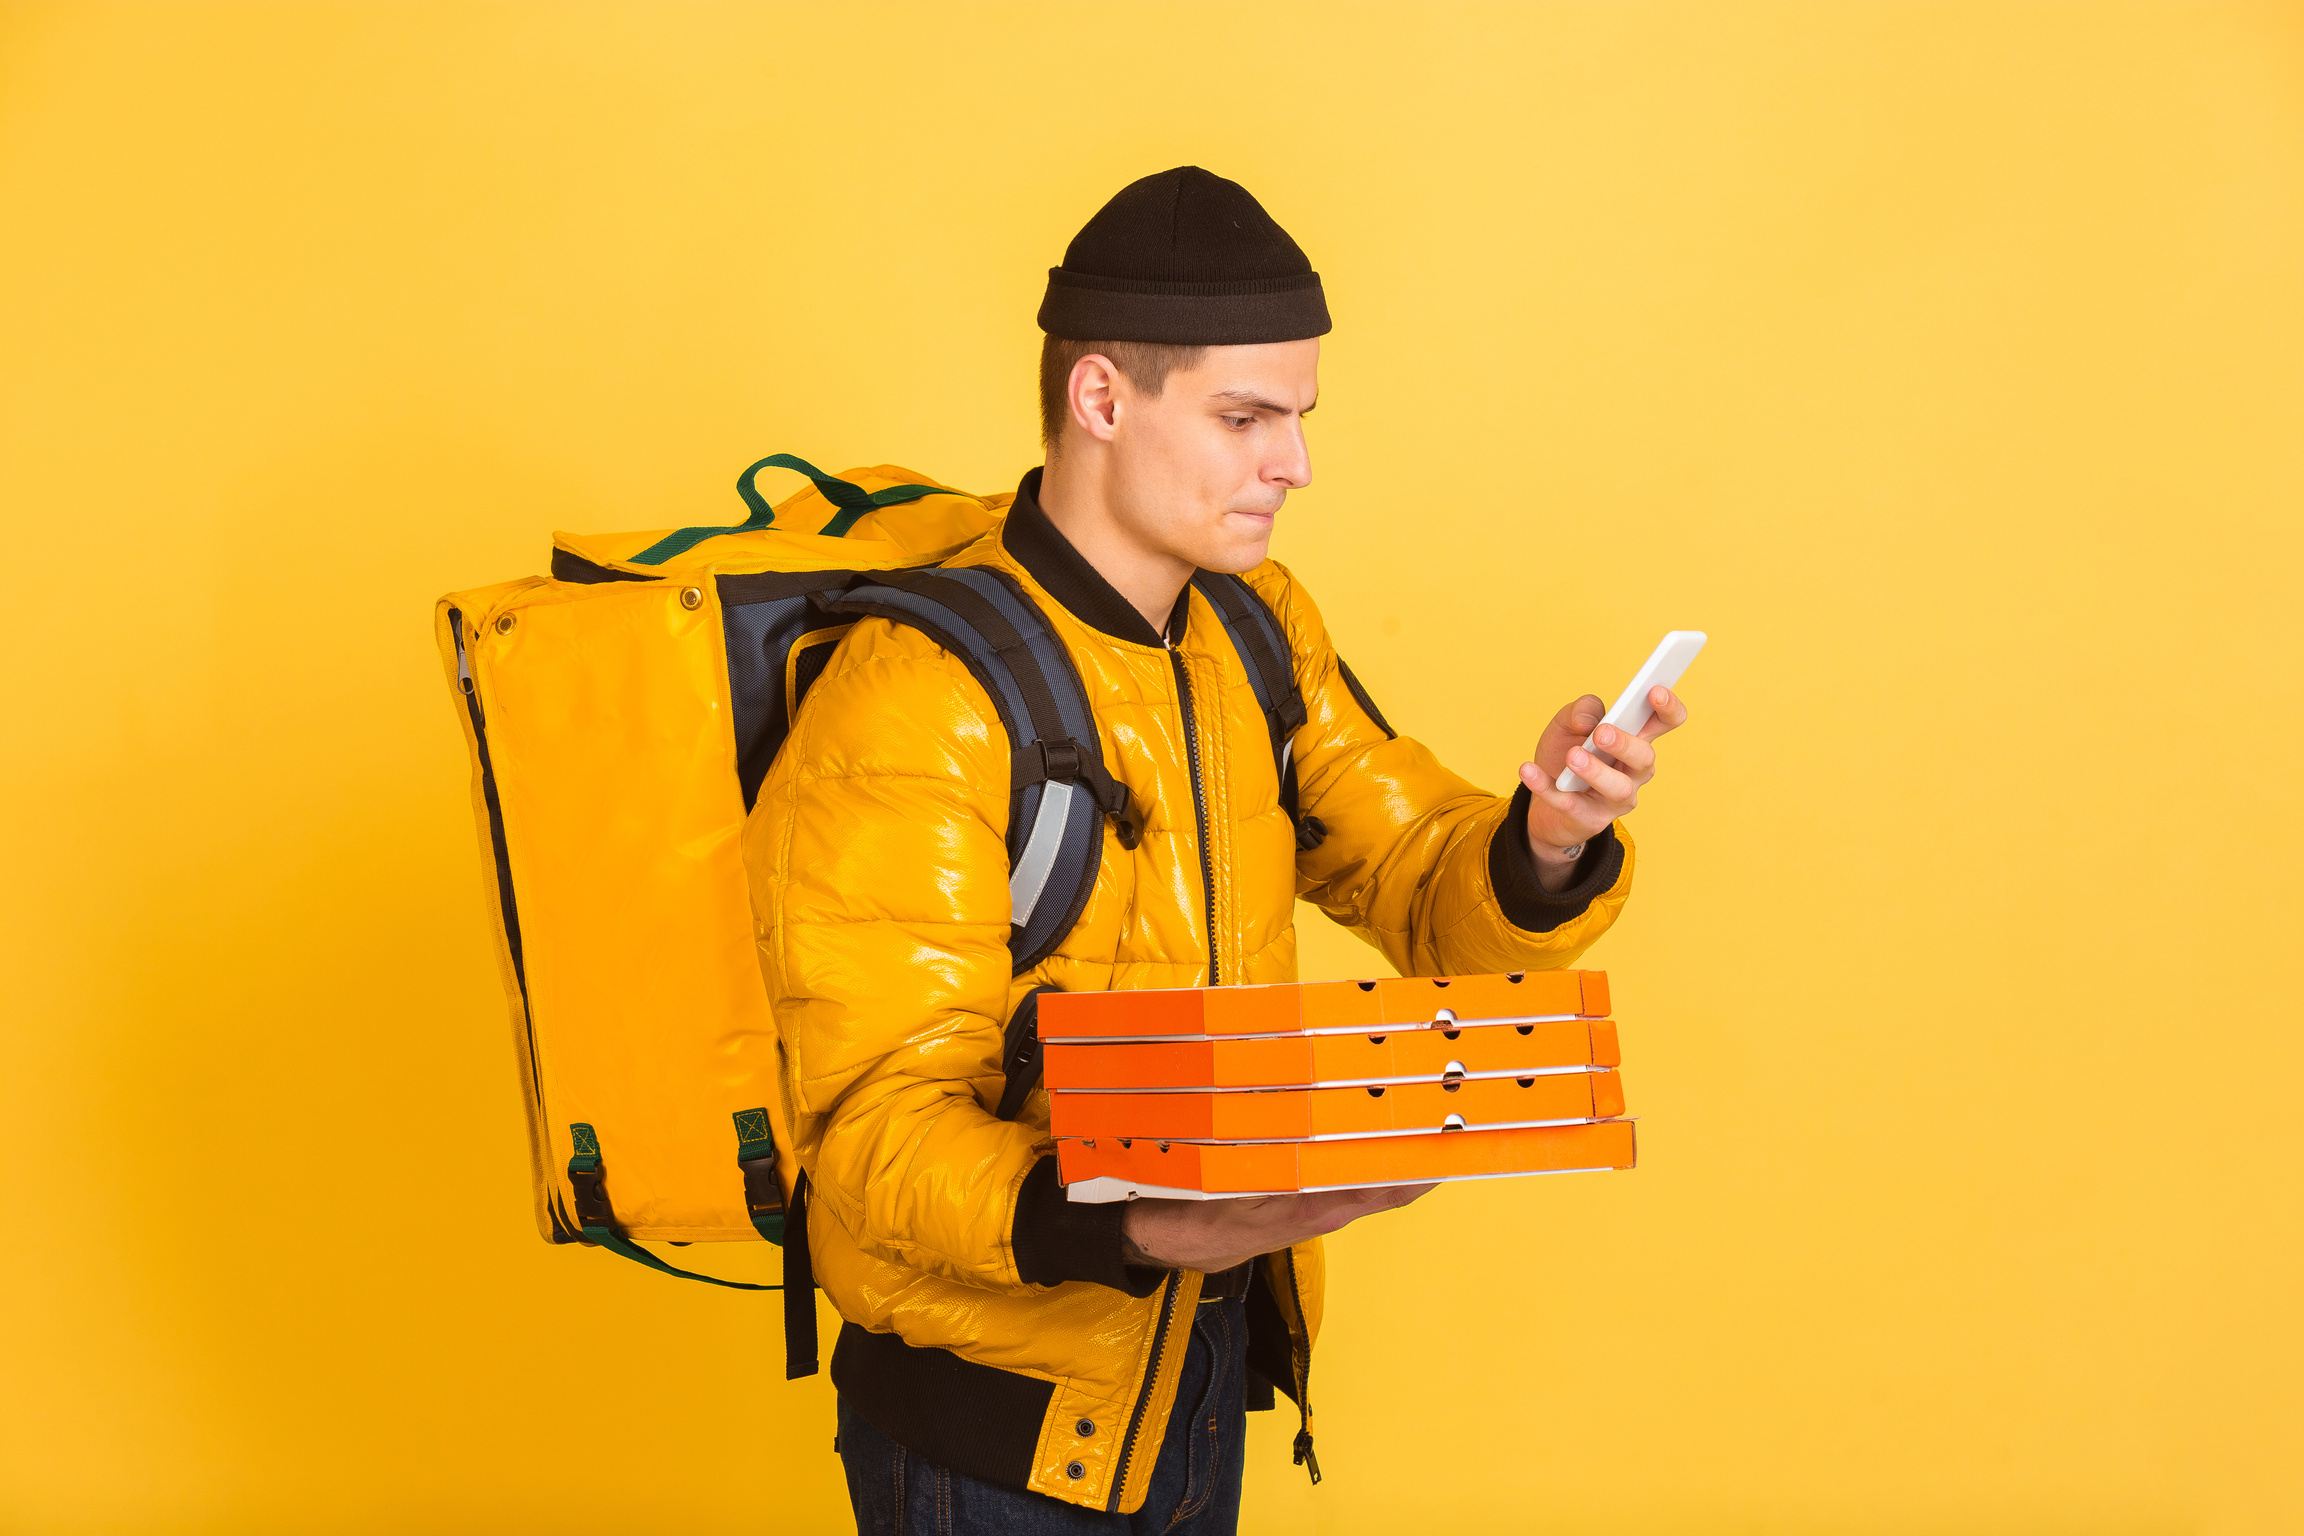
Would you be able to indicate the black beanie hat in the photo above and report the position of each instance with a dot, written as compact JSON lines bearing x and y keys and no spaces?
{"x":1188,"y":258}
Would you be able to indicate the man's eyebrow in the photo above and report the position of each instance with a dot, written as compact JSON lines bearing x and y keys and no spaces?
{"x":1257,"y":402}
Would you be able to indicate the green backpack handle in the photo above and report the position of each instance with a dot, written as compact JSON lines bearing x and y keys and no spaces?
{"x":852,"y":500}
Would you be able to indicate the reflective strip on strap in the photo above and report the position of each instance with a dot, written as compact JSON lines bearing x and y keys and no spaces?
{"x":1029,"y":880}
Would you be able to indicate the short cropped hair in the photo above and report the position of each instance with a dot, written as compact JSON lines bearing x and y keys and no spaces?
{"x":1146,"y":364}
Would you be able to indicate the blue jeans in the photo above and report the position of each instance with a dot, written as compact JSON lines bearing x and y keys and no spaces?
{"x":1195,"y":1483}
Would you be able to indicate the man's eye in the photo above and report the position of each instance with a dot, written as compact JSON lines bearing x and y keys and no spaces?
{"x":1239,"y":423}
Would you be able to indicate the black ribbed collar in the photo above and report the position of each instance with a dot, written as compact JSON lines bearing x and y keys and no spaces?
{"x":1040,"y":547}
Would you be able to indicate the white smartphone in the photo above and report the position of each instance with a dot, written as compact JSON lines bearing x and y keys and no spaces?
{"x":1662,"y":669}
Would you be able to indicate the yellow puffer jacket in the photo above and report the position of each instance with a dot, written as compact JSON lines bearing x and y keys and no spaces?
{"x":991,"y":1325}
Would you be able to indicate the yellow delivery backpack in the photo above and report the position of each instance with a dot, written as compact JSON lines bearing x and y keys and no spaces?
{"x":622,"y":713}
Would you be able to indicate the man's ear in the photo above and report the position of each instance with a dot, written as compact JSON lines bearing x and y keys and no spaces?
{"x":1093,"y":392}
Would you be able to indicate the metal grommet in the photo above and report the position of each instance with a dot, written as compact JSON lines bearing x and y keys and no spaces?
{"x":1085,"y":1428}
{"x":691,"y":597}
{"x":504,"y":624}
{"x":1075,"y":1471}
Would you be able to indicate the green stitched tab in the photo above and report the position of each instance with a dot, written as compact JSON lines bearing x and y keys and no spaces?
{"x":587,"y":1144}
{"x":756,"y":1158}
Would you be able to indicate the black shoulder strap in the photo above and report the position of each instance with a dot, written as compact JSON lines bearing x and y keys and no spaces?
{"x":1020,"y":1054}
{"x":1256,"y":634}
{"x":1059,"y":788}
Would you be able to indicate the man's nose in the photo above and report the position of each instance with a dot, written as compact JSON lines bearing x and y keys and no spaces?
{"x":1291,"y":464}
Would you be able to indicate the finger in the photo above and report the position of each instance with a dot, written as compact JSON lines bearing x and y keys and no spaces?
{"x":1345,"y":1206}
{"x":1545,"y":787}
{"x":1671,"y":713}
{"x":1622,"y":749}
{"x":1575,"y":816}
{"x":1610,"y":784}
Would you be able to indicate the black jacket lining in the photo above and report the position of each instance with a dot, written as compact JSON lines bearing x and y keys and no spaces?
{"x":1512,"y":870}
{"x":1040,"y":547}
{"x":1271,"y":1348}
{"x":972,"y":1418}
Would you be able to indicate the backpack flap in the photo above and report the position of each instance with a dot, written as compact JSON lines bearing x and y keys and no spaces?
{"x":615,"y":826}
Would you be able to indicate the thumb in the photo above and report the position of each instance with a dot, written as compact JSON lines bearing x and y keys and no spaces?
{"x":1577,"y":719}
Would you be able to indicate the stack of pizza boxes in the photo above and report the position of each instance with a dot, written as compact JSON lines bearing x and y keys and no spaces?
{"x":1213,"y":1092}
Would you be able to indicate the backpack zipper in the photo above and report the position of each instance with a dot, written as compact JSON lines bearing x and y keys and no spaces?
{"x":1168,"y":1288}
{"x":563,"y":1229}
{"x":1199,"y":803}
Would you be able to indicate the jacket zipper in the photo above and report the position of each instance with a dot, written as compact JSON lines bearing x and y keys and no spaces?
{"x":1168,"y":1289}
{"x":1300,"y":1349}
{"x":564,"y":1230}
{"x":1208,"y":891}
{"x":1199,"y":802}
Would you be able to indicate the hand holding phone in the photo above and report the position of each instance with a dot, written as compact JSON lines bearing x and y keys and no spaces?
{"x":1631,"y":710}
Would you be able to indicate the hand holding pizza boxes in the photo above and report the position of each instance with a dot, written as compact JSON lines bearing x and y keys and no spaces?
{"x":1205,"y":1093}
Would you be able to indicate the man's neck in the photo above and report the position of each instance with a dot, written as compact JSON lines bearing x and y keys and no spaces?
{"x":1075,"y":495}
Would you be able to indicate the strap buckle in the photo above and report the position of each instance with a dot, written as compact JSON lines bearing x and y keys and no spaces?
{"x":763,"y":1191}
{"x":592,"y":1208}
{"x":1065,"y":761}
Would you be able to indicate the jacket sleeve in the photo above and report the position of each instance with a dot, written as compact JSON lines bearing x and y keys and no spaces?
{"x":1432,"y":871}
{"x":878,"y":863}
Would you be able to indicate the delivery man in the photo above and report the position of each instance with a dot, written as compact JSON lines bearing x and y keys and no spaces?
{"x":1011,"y":1361}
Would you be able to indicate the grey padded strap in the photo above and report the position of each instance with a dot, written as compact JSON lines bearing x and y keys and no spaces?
{"x":1028,"y":881}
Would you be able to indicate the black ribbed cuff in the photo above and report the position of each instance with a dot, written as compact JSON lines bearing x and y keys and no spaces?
{"x":1058,"y":1239}
{"x":1512,"y":870}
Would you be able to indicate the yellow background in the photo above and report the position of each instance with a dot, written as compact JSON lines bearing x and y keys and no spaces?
{"x":1943,"y":361}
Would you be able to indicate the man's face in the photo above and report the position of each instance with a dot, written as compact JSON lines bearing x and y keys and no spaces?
{"x":1205,"y":464}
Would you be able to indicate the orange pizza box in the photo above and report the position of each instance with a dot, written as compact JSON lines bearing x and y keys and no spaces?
{"x":1594,"y":986}
{"x":1106,"y":1168}
{"x":1320,"y":1007}
{"x":1313,"y":1114}
{"x":1296,"y":1061}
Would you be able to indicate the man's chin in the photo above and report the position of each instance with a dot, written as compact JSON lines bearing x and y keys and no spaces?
{"x":1230,"y":557}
